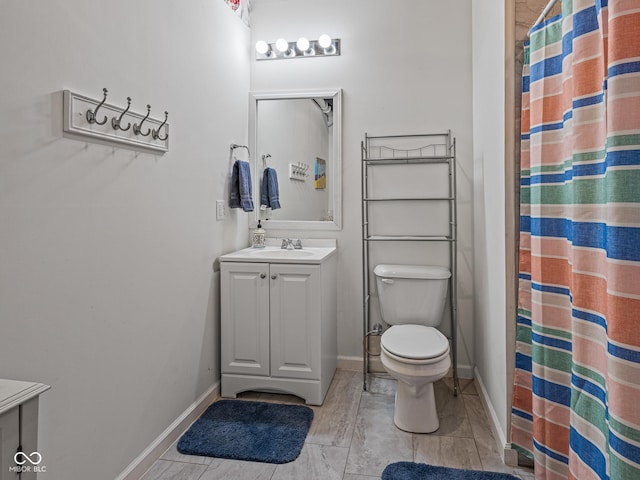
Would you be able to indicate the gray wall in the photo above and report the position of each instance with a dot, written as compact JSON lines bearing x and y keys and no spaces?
{"x":405,"y":68}
{"x":489,"y":204}
{"x":499,"y":27}
{"x":107,"y":291}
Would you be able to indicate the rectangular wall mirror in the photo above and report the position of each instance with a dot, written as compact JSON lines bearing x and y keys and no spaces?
{"x":299,"y":135}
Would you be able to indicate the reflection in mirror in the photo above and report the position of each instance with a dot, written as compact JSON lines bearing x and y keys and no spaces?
{"x":297,"y":134}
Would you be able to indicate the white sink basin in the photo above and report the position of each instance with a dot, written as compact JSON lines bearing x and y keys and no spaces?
{"x":259,"y":252}
{"x":275,"y":254}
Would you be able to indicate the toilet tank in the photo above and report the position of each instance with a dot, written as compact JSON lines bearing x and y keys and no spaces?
{"x":413,"y":294}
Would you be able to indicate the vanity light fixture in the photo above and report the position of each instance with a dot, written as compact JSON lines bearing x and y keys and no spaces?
{"x":324,"y":41}
{"x":303,"y":47}
{"x":264,"y":49}
{"x":327,"y":44}
{"x":283,"y":46}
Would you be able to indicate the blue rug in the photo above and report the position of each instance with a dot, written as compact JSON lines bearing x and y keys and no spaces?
{"x":422,"y":471}
{"x":254,"y":431}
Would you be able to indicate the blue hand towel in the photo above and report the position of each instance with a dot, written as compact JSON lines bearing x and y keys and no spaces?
{"x":270,"y":196}
{"x":241,"y":196}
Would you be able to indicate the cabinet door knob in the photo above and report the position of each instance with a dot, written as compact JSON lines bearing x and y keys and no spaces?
{"x":263,"y":275}
{"x":274,"y":276}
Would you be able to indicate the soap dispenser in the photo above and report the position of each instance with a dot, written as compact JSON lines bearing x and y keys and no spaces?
{"x":259,"y":237}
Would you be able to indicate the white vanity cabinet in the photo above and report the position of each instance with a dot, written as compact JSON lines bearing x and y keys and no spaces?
{"x":19,"y":430}
{"x":278,"y":326}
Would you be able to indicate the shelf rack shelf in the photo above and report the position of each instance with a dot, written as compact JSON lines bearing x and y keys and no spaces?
{"x":441,"y":149}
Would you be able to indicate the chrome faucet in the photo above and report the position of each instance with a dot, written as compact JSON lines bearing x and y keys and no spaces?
{"x":287,"y":243}
{"x":290,"y":244}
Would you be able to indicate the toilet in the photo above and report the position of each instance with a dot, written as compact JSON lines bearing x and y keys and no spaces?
{"x":413,"y":350}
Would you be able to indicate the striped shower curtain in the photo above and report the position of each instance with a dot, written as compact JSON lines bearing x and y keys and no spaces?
{"x":576,"y":401}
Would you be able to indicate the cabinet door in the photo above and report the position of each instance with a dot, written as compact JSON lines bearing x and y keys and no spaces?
{"x":9,"y":441}
{"x":244,"y":318}
{"x":295,"y":321}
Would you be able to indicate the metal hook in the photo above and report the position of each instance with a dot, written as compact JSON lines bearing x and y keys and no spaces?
{"x":115,"y":122}
{"x":264,"y":159}
{"x":136,"y":126}
{"x":235,"y":145}
{"x":156,"y":133}
{"x":91,"y":116}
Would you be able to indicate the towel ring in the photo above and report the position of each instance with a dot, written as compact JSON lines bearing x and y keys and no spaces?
{"x":235,"y":145}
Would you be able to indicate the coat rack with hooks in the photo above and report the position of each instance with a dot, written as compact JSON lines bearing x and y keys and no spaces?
{"x":298,"y":171}
{"x":86,"y":118}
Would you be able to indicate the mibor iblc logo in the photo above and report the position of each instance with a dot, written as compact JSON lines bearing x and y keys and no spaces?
{"x":28,"y":463}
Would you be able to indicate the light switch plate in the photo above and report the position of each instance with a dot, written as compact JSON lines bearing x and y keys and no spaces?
{"x":221,"y":210}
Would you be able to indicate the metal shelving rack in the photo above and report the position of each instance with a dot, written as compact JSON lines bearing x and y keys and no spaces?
{"x":440,"y":149}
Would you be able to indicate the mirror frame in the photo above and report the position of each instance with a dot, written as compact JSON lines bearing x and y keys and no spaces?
{"x":334,"y":174}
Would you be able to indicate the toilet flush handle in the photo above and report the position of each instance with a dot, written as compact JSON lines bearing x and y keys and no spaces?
{"x":388,"y":281}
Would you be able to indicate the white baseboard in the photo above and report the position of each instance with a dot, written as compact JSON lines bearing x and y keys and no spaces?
{"x":509,"y":456}
{"x":349,"y":363}
{"x":465,"y":371}
{"x":143,"y":462}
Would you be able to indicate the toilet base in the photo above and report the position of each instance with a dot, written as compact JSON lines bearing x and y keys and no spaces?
{"x":415,"y":408}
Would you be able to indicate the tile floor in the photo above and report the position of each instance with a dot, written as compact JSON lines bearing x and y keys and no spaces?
{"x":353,"y":438}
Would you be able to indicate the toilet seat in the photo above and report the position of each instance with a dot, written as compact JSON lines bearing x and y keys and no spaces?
{"x":415,"y":343}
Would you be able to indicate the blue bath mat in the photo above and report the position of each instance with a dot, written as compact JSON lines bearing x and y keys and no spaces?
{"x":254,"y":431}
{"x":422,"y":471}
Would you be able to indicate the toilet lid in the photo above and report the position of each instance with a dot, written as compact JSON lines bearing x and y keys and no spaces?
{"x":414,"y":341}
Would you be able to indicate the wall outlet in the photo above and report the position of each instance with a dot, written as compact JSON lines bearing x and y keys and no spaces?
{"x":221,"y":210}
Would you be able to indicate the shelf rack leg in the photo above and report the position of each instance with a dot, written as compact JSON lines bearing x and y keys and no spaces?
{"x":453,"y":249}
{"x":365,"y":265}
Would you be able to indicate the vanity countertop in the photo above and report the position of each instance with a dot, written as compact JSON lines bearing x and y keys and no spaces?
{"x":314,"y":251}
{"x":14,"y":393}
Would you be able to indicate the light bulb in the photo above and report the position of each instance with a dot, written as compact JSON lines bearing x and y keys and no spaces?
{"x":302,"y":44}
{"x":262,"y":47}
{"x":282,"y":45}
{"x":324,"y":41}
